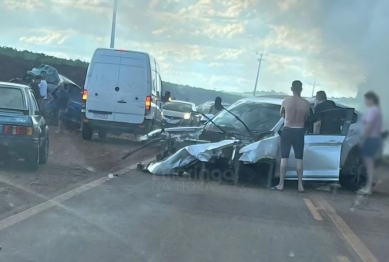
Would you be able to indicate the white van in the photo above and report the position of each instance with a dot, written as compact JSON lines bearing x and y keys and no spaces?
{"x":122,"y":93}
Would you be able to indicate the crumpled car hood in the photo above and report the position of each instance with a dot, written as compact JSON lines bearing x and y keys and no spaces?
{"x":266,"y":148}
{"x":187,"y":156}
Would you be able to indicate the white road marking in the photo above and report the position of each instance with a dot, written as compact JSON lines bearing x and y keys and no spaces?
{"x":56,"y":201}
{"x":353,"y":240}
{"x":342,"y":259}
{"x":316,"y":215}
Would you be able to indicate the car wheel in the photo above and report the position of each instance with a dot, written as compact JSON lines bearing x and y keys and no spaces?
{"x":354,"y":175}
{"x":44,"y":152}
{"x":32,"y":162}
{"x":102,"y":134}
{"x":87,"y":133}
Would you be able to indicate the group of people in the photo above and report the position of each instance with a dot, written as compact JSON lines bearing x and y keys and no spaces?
{"x":296,"y":112}
{"x":60,"y":95}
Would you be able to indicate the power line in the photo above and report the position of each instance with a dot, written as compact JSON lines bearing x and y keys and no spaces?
{"x":259,"y":68}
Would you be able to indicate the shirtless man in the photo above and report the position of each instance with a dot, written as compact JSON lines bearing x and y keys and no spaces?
{"x":295,"y":110}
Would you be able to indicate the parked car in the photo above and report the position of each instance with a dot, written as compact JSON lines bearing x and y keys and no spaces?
{"x":23,"y":129}
{"x":179,"y":113}
{"x":122,"y":93}
{"x":326,"y":157}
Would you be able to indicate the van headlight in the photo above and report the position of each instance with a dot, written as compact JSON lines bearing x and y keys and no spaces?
{"x":187,"y":116}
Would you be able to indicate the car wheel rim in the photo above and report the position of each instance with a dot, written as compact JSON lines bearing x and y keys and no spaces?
{"x":358,"y":172}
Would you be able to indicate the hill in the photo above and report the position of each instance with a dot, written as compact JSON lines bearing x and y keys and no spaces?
{"x":15,"y":63}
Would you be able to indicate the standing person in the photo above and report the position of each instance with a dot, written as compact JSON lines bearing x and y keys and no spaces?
{"x":34,"y":85}
{"x":295,"y":110}
{"x":322,"y":104}
{"x":217,"y":106}
{"x":62,"y":99}
{"x":371,"y":137}
{"x":43,"y":90}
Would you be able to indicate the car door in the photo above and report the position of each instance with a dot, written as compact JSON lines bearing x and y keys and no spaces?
{"x":322,"y":153}
{"x":74,"y":109}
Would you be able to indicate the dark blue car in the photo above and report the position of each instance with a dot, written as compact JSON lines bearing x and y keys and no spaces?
{"x":23,"y":129}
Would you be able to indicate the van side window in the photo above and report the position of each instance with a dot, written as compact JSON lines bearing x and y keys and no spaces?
{"x":159,"y":84}
{"x":153,"y":82}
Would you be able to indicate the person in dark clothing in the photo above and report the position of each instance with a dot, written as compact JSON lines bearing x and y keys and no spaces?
{"x":217,"y":106}
{"x":331,"y":127}
{"x":62,"y":98}
{"x":34,"y":85}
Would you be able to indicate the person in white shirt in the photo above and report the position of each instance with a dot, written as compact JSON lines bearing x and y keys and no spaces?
{"x":43,"y":90}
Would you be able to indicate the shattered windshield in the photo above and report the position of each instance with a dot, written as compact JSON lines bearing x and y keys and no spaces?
{"x":259,"y":117}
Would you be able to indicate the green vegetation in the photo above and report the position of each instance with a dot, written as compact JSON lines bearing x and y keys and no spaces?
{"x":42,"y":58}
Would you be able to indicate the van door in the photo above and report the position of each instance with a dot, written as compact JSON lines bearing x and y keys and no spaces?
{"x":132,"y":89}
{"x":101,"y":84}
{"x":322,"y":152}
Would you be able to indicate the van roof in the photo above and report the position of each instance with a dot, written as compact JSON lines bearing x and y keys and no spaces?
{"x":120,"y":50}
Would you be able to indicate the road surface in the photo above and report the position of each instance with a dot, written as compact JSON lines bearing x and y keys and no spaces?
{"x":72,"y":162}
{"x":140,"y":217}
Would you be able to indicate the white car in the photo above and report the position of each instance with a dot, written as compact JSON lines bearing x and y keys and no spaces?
{"x":178,"y":113}
{"x":256,"y":144}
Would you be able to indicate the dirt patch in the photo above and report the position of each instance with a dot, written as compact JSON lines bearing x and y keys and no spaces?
{"x":72,"y":162}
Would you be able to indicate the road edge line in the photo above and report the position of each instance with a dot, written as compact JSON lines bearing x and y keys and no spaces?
{"x":316,"y":215}
{"x":352,"y":239}
{"x":56,"y":201}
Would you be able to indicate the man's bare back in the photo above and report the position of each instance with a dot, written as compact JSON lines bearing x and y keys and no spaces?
{"x":295,"y":111}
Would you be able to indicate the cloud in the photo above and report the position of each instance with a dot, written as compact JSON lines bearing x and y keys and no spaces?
{"x":338,"y":43}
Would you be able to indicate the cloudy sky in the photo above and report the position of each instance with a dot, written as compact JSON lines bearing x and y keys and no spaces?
{"x":213,"y":43}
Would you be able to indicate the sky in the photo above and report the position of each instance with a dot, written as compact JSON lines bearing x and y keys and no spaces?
{"x":215,"y":44}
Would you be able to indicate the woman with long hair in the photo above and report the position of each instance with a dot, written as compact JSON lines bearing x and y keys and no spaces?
{"x":371,"y":140}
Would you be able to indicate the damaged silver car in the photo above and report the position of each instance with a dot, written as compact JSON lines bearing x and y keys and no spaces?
{"x":245,"y":138}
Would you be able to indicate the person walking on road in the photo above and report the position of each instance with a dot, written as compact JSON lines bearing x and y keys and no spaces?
{"x":371,"y":140}
{"x":62,"y":98}
{"x":295,"y":110}
{"x":43,"y":90}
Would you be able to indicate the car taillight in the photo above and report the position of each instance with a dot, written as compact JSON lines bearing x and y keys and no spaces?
{"x":17,"y":130}
{"x":148,"y":102}
{"x":84,"y":95}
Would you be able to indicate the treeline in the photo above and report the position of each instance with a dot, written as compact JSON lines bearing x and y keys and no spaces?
{"x":42,"y":58}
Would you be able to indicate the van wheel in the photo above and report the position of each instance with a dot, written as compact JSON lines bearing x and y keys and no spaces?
{"x":353,"y":175}
{"x":87,"y":133}
{"x":102,"y":134}
{"x":44,"y":152}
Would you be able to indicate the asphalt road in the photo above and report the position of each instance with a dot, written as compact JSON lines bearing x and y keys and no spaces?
{"x":140,"y":217}
{"x":72,"y":162}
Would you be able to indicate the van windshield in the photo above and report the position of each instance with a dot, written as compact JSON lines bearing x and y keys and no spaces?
{"x":178,"y":106}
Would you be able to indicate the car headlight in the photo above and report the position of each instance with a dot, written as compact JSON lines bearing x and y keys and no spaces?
{"x":187,"y":116}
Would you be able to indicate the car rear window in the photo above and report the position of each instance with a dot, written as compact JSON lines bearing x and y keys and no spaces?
{"x":11,"y":98}
{"x":178,"y":107}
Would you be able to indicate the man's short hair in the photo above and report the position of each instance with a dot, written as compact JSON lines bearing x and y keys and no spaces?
{"x":297,"y":86}
{"x":321,"y":96}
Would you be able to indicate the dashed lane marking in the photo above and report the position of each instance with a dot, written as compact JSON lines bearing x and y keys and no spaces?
{"x":353,"y":240}
{"x":316,"y":215}
{"x":56,"y":201}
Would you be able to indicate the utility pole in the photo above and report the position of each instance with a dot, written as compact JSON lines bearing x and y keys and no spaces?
{"x":259,"y":68}
{"x":113,"y":30}
{"x":313,"y":88}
